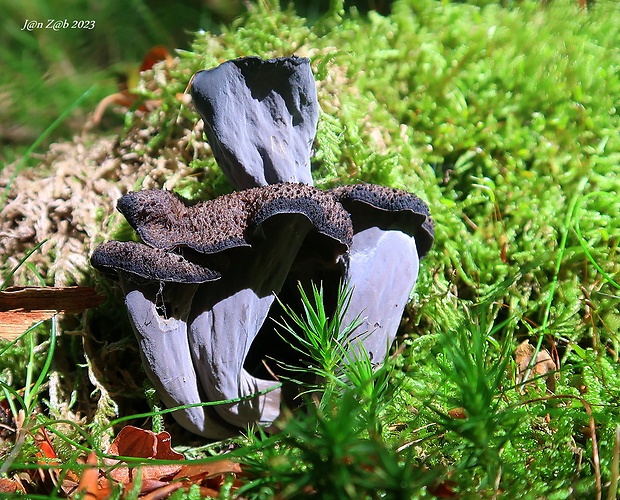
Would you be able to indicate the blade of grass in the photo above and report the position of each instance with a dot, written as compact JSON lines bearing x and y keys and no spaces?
{"x":53,"y":126}
{"x":9,"y":276}
{"x":31,"y":394}
{"x":615,"y":467}
{"x":569,"y":221}
{"x":193,"y":405}
{"x":582,"y":240}
{"x":28,"y":402}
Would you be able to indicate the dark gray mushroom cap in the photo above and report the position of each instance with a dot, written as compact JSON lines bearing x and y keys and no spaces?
{"x":149,"y":263}
{"x":260,"y":118}
{"x":192,"y":332}
{"x":163,"y":221}
{"x":389,"y":208}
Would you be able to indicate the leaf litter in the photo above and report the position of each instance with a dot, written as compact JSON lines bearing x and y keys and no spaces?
{"x":94,"y":477}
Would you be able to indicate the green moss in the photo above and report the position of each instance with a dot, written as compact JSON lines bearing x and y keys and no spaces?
{"x":504,"y":119}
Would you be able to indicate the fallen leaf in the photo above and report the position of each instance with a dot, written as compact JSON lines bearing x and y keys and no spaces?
{"x":164,"y":490}
{"x":140,"y":443}
{"x":543,"y":365}
{"x":89,"y":482}
{"x":10,"y":486}
{"x":156,"y":54}
{"x":46,"y":456}
{"x":208,"y":470}
{"x":445,"y":489}
{"x":46,"y":449}
{"x":149,"y":486}
{"x":457,"y":413}
{"x":99,"y":480}
{"x":21,"y":307}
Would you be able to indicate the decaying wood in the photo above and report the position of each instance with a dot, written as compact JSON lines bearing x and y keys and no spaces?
{"x":21,"y":307}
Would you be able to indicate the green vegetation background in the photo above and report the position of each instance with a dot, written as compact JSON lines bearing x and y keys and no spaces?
{"x":503,"y":116}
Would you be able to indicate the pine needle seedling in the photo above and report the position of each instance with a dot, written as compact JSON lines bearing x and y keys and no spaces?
{"x":331,"y":455}
{"x":321,"y":337}
{"x":473,"y":367}
{"x":334,"y":449}
{"x":373,"y":386}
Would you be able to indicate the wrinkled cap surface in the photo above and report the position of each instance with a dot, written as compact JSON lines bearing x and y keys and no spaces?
{"x":260,"y":118}
{"x":163,"y":221}
{"x":149,"y":263}
{"x":388,"y":208}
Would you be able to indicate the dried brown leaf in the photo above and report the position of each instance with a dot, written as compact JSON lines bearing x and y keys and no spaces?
{"x":10,"y":486}
{"x":543,"y":364}
{"x":89,"y":482}
{"x":195,"y":472}
{"x":140,"y":443}
{"x":163,"y":491}
{"x":457,"y":413}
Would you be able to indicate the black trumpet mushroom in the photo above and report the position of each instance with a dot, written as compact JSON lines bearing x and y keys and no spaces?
{"x":392,"y":231}
{"x":200,"y":286}
{"x":196,"y":321}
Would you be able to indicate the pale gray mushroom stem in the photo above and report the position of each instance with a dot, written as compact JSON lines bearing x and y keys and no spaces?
{"x":392,"y":230}
{"x":164,"y":349}
{"x":260,"y":118}
{"x":159,"y":288}
{"x":226,"y":318}
{"x":382,"y":271}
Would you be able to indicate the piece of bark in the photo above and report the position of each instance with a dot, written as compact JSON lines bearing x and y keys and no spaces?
{"x":21,"y":307}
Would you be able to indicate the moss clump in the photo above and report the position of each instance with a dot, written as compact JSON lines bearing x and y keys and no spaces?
{"x":504,"y":120}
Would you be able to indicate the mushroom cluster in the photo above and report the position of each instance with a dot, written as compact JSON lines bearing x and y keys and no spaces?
{"x":200,"y":286}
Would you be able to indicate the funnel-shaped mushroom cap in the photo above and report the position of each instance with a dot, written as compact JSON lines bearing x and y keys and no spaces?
{"x":260,"y":118}
{"x":163,"y":221}
{"x":227,"y":316}
{"x":392,"y":231}
{"x":149,"y":263}
{"x":201,"y":334}
{"x":371,"y":204}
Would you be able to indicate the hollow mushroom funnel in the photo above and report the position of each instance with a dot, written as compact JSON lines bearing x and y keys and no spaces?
{"x":271,"y":143}
{"x":195,"y":333}
{"x":201,"y":284}
{"x":392,"y":231}
{"x":260,"y":118}
{"x":152,"y":279}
